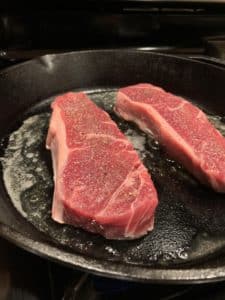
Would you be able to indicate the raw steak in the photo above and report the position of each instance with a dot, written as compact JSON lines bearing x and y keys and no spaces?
{"x":100,"y":183}
{"x":181,"y":127}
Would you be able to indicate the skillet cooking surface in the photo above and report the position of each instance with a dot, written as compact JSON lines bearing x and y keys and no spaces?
{"x":189,"y":226}
{"x":179,"y":221}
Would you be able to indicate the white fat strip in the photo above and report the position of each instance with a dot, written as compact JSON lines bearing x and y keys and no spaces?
{"x":127,"y":182}
{"x":132,"y":205}
{"x":179,"y":106}
{"x":201,"y":115}
{"x":63,"y":152}
{"x":108,"y":122}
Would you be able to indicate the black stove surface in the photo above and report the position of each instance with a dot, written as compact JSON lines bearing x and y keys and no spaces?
{"x":189,"y":30}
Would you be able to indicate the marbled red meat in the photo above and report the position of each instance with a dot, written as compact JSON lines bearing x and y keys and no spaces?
{"x":180,"y":126}
{"x":100,"y":183}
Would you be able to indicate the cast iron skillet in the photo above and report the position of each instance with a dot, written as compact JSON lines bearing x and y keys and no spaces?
{"x":189,"y":237}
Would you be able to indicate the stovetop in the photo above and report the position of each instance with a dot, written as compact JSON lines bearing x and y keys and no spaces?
{"x":185,"y":29}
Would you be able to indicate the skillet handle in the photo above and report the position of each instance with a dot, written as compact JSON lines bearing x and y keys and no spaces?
{"x":209,"y":60}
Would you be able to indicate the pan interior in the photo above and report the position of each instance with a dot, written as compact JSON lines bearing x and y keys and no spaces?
{"x":189,"y":221}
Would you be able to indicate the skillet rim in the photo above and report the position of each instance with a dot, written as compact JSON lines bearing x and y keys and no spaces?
{"x":191,"y":59}
{"x":114,"y":270}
